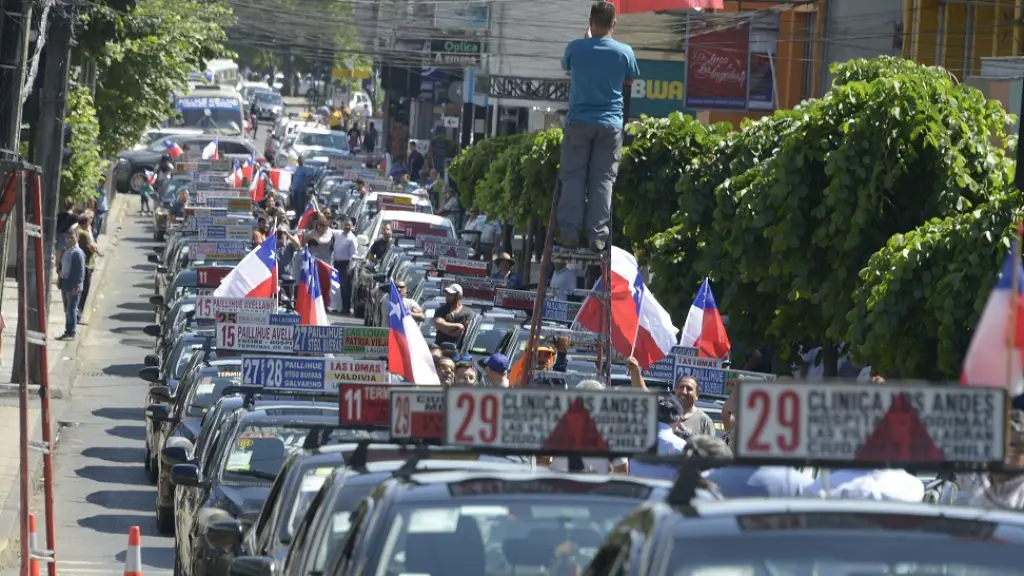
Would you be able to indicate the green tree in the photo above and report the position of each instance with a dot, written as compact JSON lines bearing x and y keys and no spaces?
{"x":83,"y":170}
{"x":497,"y":193}
{"x":470,"y":166}
{"x":145,"y":55}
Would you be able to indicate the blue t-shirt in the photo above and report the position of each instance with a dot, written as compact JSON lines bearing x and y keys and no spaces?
{"x":597,"y":68}
{"x":760,"y":481}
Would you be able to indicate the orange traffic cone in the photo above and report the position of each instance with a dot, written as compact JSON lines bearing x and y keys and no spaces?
{"x":33,"y":542}
{"x":133,"y":556}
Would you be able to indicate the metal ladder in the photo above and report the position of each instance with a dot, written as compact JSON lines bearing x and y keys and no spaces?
{"x":602,"y":340}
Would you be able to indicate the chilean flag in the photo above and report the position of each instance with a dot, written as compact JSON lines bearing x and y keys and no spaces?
{"x":255,"y":276}
{"x":990,"y":356}
{"x":330,"y":278}
{"x":281,"y":178}
{"x":309,"y":302}
{"x":408,"y":355}
{"x":240,"y":173}
{"x":704,"y":328}
{"x":211,"y":152}
{"x":257,"y":187}
{"x":173,"y":150}
{"x":309,"y":215}
{"x":150,"y":177}
{"x":640,"y":326}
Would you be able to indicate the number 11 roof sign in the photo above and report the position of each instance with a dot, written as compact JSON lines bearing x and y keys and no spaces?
{"x":534,"y":421}
{"x":871,"y":425}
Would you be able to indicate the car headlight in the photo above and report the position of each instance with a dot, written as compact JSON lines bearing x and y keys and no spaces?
{"x":122,"y":161}
{"x":276,"y":109}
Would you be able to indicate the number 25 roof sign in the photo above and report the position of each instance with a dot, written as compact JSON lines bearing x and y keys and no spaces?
{"x":871,"y":425}
{"x":537,"y":421}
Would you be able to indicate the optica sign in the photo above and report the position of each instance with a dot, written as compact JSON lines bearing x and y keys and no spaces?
{"x":659,"y":90}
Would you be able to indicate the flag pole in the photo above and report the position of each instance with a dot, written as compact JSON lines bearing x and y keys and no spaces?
{"x":1014,"y":289}
{"x":636,"y":333}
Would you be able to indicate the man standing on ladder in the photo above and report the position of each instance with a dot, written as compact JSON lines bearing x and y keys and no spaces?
{"x":600,"y":69}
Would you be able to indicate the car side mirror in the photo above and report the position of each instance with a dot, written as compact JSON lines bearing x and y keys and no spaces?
{"x":185,"y":475}
{"x":224,"y":534}
{"x":151,"y":359}
{"x":173,"y":455}
{"x":252,"y":566}
{"x":161,"y":269}
{"x":153,"y":258}
{"x":154,"y":331}
{"x":380,"y":278}
{"x":160,"y":394}
{"x":150,"y":374}
{"x":157,"y":300}
{"x":158,"y":412}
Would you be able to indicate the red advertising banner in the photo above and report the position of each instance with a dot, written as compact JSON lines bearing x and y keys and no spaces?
{"x":638,"y":6}
{"x":717,"y":65}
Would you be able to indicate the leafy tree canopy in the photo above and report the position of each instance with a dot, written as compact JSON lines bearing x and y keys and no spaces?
{"x":85,"y":167}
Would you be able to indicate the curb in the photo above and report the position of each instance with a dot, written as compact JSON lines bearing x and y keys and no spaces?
{"x":10,"y":520}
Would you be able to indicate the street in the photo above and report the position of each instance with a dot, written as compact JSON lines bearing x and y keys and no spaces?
{"x":101,"y":487}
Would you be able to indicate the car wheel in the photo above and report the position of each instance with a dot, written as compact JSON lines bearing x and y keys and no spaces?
{"x":136,"y":180}
{"x":154,"y":470}
{"x":165,"y":520}
{"x":160,"y":236}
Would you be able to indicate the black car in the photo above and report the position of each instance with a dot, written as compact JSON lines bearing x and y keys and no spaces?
{"x":318,"y":534}
{"x":235,"y":479}
{"x":472,"y":523}
{"x":130,"y":170}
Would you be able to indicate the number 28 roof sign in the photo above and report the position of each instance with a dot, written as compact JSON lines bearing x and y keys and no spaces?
{"x":538,"y":421}
{"x":871,"y":425}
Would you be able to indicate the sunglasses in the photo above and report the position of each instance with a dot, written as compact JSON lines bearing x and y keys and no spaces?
{"x":400,"y":287}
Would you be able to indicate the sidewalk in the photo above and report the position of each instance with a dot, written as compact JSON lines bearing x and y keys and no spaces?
{"x":62,"y":359}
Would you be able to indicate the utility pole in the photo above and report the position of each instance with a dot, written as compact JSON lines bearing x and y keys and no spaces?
{"x":48,"y":137}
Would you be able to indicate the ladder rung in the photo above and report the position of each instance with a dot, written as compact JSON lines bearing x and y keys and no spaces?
{"x":37,"y":338}
{"x":34,"y":230}
{"x":578,"y":336}
{"x":577,"y":254}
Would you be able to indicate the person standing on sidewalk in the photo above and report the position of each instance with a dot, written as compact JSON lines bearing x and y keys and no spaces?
{"x":344,"y":250}
{"x":601,"y":69}
{"x":102,"y":207}
{"x":72,"y":280}
{"x":91,"y":251}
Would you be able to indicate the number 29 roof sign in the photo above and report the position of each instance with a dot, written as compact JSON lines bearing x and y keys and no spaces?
{"x":553,"y":422}
{"x":852,"y":425}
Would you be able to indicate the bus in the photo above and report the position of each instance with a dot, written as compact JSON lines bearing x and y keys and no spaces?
{"x":222,"y":73}
{"x":213,"y":109}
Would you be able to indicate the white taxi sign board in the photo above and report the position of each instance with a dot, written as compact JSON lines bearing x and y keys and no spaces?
{"x":255,"y":338}
{"x":870,"y":424}
{"x":209,"y":306}
{"x":417,"y":414}
{"x":540,"y":421}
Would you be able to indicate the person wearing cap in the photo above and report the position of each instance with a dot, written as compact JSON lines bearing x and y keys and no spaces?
{"x":495,"y":368}
{"x":504,"y":263}
{"x":452,"y":318}
{"x":381,"y":245}
{"x":410,"y":305}
{"x":563,"y":279}
{"x":670,"y":412}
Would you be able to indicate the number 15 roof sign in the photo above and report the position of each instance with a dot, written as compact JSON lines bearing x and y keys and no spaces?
{"x":553,"y":422}
{"x":871,"y":425}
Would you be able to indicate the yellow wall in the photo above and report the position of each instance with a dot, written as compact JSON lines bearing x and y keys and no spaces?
{"x":790,"y":62}
{"x":937,"y":33}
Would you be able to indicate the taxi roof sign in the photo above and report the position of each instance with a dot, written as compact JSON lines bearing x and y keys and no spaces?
{"x":417,"y":414}
{"x":914,"y":426}
{"x":364,"y":405}
{"x":554,"y":422}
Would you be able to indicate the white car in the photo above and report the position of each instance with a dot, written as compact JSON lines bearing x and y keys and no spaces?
{"x":403,"y":224}
{"x":306,"y":138}
{"x":367,"y":207}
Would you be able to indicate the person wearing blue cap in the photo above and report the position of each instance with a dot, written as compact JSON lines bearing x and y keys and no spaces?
{"x":495,"y":368}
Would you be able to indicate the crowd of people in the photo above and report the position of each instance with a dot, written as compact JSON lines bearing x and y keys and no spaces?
{"x":76,"y":255}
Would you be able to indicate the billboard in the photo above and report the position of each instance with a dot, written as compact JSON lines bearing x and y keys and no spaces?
{"x":659,"y":90}
{"x":723,"y":72}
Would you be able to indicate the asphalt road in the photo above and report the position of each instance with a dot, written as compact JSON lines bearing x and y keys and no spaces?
{"x":101,"y":487}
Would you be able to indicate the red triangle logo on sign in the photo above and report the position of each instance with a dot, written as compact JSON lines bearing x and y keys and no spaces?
{"x":576,"y":431}
{"x":900,"y":436}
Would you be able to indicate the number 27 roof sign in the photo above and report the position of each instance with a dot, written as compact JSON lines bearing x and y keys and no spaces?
{"x":871,"y":425}
{"x":535,"y":421}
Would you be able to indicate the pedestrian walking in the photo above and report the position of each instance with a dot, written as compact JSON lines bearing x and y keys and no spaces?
{"x":599,"y":67}
{"x":91,"y":251}
{"x":102,"y":207}
{"x":344,"y":250}
{"x":144,"y":193}
{"x":71,"y":283}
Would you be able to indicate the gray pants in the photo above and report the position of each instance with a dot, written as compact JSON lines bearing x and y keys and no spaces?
{"x":590,"y":162}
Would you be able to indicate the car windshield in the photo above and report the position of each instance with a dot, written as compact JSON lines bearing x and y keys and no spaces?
{"x":222,"y":119}
{"x":312,"y":480}
{"x":864,"y":552}
{"x":268,"y":98}
{"x":490,"y":336}
{"x":259,"y":451}
{"x":184,"y":354}
{"x":335,"y":141}
{"x":209,"y":389}
{"x":499,"y":536}
{"x":338,"y":524}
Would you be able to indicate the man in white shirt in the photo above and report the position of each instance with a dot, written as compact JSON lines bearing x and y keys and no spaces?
{"x":563,"y":279}
{"x":344,"y":249}
{"x":889,"y":484}
{"x":670,"y":414}
{"x":489,"y":230}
